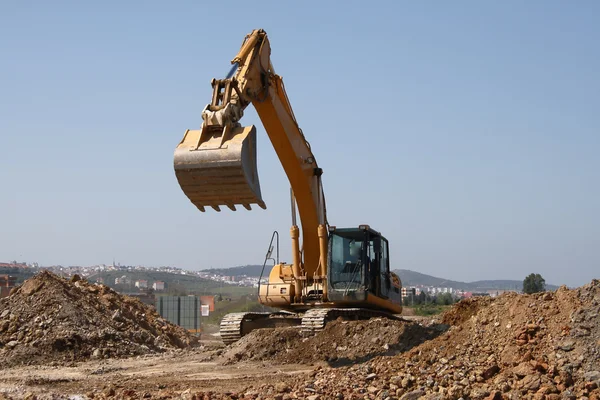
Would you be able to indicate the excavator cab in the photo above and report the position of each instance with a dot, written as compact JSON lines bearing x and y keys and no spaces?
{"x":359,"y":268}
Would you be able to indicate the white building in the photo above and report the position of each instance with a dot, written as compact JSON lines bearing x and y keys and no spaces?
{"x":141,"y":284}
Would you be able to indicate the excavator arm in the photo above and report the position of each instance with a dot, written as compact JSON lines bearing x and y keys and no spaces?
{"x":216,"y":165}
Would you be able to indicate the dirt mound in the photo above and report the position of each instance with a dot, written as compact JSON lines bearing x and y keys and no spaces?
{"x":341,"y":342}
{"x":49,"y":318}
{"x":464,"y":309}
{"x":542,"y":346}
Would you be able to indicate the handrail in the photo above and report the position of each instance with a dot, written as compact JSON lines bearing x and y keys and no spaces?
{"x":268,"y":257}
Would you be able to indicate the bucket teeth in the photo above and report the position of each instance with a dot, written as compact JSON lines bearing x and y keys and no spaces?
{"x":216,"y":169}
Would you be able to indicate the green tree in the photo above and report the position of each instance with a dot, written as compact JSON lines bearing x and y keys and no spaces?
{"x":534,"y":283}
{"x":444,"y":299}
{"x":177,"y":289}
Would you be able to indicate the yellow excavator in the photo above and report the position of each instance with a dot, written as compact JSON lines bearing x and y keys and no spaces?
{"x":335,"y":272}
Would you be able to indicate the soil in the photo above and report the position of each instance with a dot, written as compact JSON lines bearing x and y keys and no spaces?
{"x":515,"y":346}
{"x":340,"y":343}
{"x":174,"y":374}
{"x":49,"y":319}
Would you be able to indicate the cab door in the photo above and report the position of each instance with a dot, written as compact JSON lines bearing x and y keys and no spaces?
{"x":384,"y":270}
{"x":372,"y":259}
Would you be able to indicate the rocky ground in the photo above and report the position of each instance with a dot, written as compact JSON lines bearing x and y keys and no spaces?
{"x":340,"y":343}
{"x":542,"y":346}
{"x":49,"y":319}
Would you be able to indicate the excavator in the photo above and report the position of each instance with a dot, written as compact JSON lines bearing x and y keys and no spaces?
{"x":335,"y":272}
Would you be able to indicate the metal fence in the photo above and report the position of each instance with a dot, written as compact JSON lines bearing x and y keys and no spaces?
{"x":180,"y":310}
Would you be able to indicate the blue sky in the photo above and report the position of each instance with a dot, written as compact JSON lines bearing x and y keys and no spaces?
{"x":466,"y":132}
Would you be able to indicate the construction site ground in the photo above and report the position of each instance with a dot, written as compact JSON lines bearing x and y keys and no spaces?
{"x":154,"y":376}
{"x":209,"y":368}
{"x":72,"y":339}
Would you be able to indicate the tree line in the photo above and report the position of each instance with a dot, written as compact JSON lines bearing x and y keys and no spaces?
{"x":440,"y":299}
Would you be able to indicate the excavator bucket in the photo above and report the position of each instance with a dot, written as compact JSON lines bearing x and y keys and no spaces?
{"x":217,"y":170}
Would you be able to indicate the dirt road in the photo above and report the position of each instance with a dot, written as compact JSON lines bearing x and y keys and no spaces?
{"x":171,"y":375}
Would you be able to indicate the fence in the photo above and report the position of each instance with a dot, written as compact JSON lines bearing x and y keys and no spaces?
{"x":180,"y":310}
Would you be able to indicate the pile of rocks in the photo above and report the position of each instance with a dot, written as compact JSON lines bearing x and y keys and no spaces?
{"x":341,"y":342}
{"x":51,"y":319}
{"x":541,"y":346}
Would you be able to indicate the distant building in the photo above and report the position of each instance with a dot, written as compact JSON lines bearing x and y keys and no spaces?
{"x":123,"y":280}
{"x":498,"y":292}
{"x":142,"y":284}
{"x":7,"y":282}
{"x":158,"y":285}
{"x":406,"y":291}
{"x":13,"y":264}
{"x":208,"y":301}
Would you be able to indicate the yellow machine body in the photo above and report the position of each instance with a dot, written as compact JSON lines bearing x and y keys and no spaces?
{"x":280,"y":290}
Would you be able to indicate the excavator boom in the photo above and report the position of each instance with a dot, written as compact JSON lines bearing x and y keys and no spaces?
{"x":216,"y":165}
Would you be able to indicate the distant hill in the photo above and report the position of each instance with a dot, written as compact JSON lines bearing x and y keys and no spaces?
{"x":412,"y":278}
{"x":174,"y":283}
{"x":408,"y":277}
{"x":247,"y":270}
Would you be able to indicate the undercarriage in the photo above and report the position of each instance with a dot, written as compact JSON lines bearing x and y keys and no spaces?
{"x":236,"y":325}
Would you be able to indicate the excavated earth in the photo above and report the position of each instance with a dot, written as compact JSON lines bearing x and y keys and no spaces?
{"x":49,"y":319}
{"x":541,"y":346}
{"x":340,"y":343}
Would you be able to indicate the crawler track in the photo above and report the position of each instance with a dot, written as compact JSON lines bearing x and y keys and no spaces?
{"x":314,"y":320}
{"x":231,"y":328}
{"x":235,"y":325}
